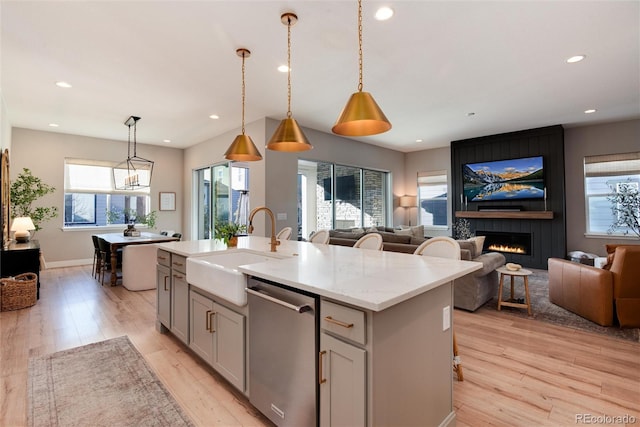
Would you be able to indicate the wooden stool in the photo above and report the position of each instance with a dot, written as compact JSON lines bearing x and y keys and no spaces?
{"x":512,"y":302}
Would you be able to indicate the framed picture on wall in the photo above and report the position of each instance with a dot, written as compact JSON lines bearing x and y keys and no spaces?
{"x":167,"y":201}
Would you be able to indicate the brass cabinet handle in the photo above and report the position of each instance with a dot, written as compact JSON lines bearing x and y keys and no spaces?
{"x":207,"y":320}
{"x":179,"y":264}
{"x":177,"y":276}
{"x":162,"y":258}
{"x":211,"y":314}
{"x":320,"y":374}
{"x":338,"y":322}
{"x":165,"y":283}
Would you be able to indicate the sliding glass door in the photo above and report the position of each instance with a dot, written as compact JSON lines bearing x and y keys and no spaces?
{"x":219,"y":190}
{"x":337,"y":196}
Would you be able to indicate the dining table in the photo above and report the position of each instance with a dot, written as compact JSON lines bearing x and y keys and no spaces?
{"x":119,"y":240}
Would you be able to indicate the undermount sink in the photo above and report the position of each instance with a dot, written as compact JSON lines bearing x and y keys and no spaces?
{"x":218,"y":273}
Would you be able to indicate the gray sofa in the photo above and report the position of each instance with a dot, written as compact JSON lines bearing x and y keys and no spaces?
{"x":470,"y":291}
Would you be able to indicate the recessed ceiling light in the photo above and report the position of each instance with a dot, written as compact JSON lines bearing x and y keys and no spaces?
{"x":63,"y":84}
{"x":576,"y":58}
{"x":418,"y":140}
{"x":53,"y":125}
{"x":283,"y":69}
{"x":166,"y":141}
{"x":384,"y":13}
{"x":214,"y":116}
{"x":589,"y":111}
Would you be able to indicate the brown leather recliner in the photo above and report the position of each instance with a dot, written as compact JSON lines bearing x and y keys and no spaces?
{"x":600,"y":295}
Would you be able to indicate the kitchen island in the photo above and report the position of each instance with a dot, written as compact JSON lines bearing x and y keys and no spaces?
{"x":385,"y":342}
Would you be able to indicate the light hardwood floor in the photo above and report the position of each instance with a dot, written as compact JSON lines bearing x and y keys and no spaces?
{"x":518,"y":372}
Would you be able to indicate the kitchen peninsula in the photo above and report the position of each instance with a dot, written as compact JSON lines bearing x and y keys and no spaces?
{"x":383,"y":335}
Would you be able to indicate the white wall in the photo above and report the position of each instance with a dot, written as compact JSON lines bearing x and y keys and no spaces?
{"x":5,"y":127}
{"x":609,"y":138}
{"x":427,"y":161}
{"x":44,"y":153}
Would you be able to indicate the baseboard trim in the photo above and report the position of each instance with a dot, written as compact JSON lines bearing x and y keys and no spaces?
{"x":67,"y":263}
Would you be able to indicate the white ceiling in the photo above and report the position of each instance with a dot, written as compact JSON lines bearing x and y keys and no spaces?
{"x":173,"y":63}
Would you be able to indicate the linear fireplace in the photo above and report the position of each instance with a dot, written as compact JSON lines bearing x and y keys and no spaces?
{"x":511,"y":243}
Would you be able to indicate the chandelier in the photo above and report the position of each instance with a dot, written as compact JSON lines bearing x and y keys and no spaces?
{"x":135,"y":172}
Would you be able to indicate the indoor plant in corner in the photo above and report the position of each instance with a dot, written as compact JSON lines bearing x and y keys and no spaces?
{"x":25,"y":190}
{"x":228,"y":231}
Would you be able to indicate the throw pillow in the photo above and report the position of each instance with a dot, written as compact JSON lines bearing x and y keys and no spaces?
{"x":469,"y":246}
{"x":479,"y":242}
{"x":418,"y":231}
{"x":404,"y":232}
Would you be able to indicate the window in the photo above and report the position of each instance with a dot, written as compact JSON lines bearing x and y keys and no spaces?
{"x":90,"y":198}
{"x":338,"y":196}
{"x":223,"y":192}
{"x":433,"y":188}
{"x":604,"y":175}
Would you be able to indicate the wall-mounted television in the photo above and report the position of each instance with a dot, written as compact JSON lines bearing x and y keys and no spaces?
{"x":512,"y":179}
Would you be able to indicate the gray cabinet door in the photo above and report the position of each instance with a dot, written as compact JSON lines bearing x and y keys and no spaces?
{"x":200,"y":326}
{"x":228,"y":345}
{"x":343,"y":383}
{"x":163,"y":286}
{"x":180,"y":306}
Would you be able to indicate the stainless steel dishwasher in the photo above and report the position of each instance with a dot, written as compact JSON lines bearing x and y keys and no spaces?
{"x":283,"y":325}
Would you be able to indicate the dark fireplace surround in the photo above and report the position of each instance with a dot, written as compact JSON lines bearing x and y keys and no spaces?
{"x":538,"y":226}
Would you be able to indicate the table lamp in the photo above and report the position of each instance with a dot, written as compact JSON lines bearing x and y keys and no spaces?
{"x":21,"y":226}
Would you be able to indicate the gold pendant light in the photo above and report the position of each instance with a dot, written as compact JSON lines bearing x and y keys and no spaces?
{"x":288,"y":136}
{"x":242,"y":148}
{"x":361,"y":116}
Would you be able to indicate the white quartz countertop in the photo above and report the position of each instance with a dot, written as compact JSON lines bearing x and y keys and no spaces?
{"x":373,"y":280}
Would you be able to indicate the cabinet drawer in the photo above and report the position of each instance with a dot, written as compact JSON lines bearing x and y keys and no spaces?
{"x":179,"y":263}
{"x":343,"y":321}
{"x":164,"y":258}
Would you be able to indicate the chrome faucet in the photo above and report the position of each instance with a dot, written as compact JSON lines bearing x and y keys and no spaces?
{"x":274,"y":242}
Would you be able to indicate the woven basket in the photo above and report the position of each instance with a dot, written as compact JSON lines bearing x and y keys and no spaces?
{"x":18,"y":292}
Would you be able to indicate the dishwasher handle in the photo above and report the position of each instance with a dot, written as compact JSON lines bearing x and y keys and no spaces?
{"x":297,"y":308}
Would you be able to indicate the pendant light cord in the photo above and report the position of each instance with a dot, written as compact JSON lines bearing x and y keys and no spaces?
{"x":243,"y":91}
{"x":135,"y":131}
{"x":288,"y":67}
{"x":360,"y":45}
{"x":129,"y":144}
{"x":134,"y":141}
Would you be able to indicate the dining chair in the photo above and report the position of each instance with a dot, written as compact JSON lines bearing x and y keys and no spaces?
{"x":97,"y":257}
{"x":178,"y":235}
{"x":284,"y":234}
{"x":320,"y":236}
{"x":369,"y":241}
{"x":441,"y":246}
{"x":444,"y":247}
{"x":105,"y":258}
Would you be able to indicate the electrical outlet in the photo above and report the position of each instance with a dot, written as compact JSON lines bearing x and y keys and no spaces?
{"x":446,"y":318}
{"x":281,"y":216}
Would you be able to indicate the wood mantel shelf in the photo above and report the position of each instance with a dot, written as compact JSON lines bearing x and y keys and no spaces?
{"x":506,"y":214}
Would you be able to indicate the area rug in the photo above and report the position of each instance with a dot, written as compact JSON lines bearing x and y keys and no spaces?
{"x":547,"y":312}
{"x":106,"y":383}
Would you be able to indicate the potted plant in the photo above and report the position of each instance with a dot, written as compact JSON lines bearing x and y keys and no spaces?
{"x":228,"y":231}
{"x":25,"y":190}
{"x":625,"y":206}
{"x":131,"y":217}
